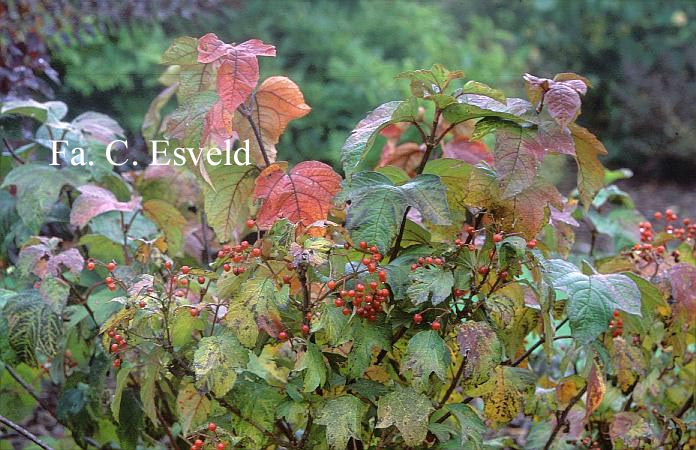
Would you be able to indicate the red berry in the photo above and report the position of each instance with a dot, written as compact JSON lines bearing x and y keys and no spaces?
{"x":118,"y":338}
{"x":339,"y":302}
{"x":256,"y":252}
{"x":142,"y":303}
{"x":117,"y":363}
{"x":532,"y":243}
{"x":660,"y":249}
{"x":183,"y":282}
{"x":616,"y":313}
{"x":220,"y":254}
{"x":435,"y":325}
{"x":194,"y":312}
{"x":360,"y":287}
{"x":374,"y":249}
{"x":90,"y":265}
{"x":497,"y":237}
{"x":305,"y":329}
{"x":168,"y":265}
{"x":220,"y":446}
{"x":111,"y":266}
{"x":429,"y":260}
{"x":483,"y":270}
{"x":657,"y":215}
{"x":114,"y":348}
{"x":417,"y":318}
{"x":212,"y":427}
{"x":351,"y":293}
{"x":346,"y":246}
{"x":414,"y":267}
{"x":109,"y":280}
{"x":198,"y":443}
{"x":286,"y":279}
{"x":122,"y":344}
{"x":250,"y":223}
{"x":185,"y":269}
{"x":346,"y":311}
{"x":111,"y":287}
{"x":366,"y":261}
{"x":201,"y":280}
{"x":283,"y":336}
{"x":504,"y":274}
{"x":363,"y":245}
{"x":438,"y":261}
{"x":112,"y":333}
{"x":382,"y":276}
{"x":372,"y":267}
{"x":331,"y":284}
{"x":226,"y":267}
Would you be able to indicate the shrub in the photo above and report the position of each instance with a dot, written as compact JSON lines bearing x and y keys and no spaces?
{"x":421,"y":304}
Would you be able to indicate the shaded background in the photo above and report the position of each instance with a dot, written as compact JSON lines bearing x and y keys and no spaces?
{"x":640,"y":55}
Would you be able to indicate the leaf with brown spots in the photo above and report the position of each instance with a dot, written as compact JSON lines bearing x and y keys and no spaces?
{"x":596,"y":389}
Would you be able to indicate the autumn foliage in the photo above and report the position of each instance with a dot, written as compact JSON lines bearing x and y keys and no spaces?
{"x":433,"y":301}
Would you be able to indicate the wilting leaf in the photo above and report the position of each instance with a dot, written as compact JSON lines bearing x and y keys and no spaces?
{"x":628,"y":428}
{"x":408,"y":410}
{"x":363,"y":136}
{"x":169,"y":220}
{"x":517,"y":159}
{"x":426,"y":353}
{"x":430,"y":283}
{"x":593,"y":298}
{"x":590,"y":170}
{"x":472,"y":152}
{"x":509,"y":386}
{"x":94,"y":201}
{"x":481,"y":349}
{"x":595,"y":389}
{"x":301,"y":195}
{"x":312,"y":362}
{"x":334,"y":325}
{"x":257,"y":401}
{"x":277,"y":101}
{"x":192,"y":407}
{"x":629,"y":362}
{"x":351,"y":411}
{"x":215,"y":362}
{"x":45,"y":258}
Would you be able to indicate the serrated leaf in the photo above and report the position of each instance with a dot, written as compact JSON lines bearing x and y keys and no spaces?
{"x":334,"y":325}
{"x":481,"y":349}
{"x":432,"y":283}
{"x":215,"y":362}
{"x":471,"y":426}
{"x":366,"y":338}
{"x":590,"y":170}
{"x":509,"y":387}
{"x":470,"y":151}
{"x":256,"y":307}
{"x":408,"y":411}
{"x":377,"y":206}
{"x":425,"y":83}
{"x":44,"y":258}
{"x":426,"y":353}
{"x":596,"y":388}
{"x":312,"y":362}
{"x":169,"y":220}
{"x":257,"y":401}
{"x":563,"y":103}
{"x":363,"y":136}
{"x":593,"y":298}
{"x":303,"y":194}
{"x":350,"y":410}
{"x":94,"y":200}
{"x":474,"y":87}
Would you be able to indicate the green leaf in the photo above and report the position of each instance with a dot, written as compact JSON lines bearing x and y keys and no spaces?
{"x":38,"y":188}
{"x":257,"y":401}
{"x":228,"y":201}
{"x":472,"y":106}
{"x":593,"y":298}
{"x":183,"y":50}
{"x":651,"y":304}
{"x":34,"y":328}
{"x":471,"y":425}
{"x":131,"y":420}
{"x":366,"y":337}
{"x":102,"y":248}
{"x":215,"y":362}
{"x":183,"y":326}
{"x":342,"y":417}
{"x":426,"y":353}
{"x":621,"y":224}
{"x":377,"y":206}
{"x":192,"y":407}
{"x":409,"y":411}
{"x":425,"y":83}
{"x":281,"y":235}
{"x":334,"y":325}
{"x":474,"y":87}
{"x":363,"y":136}
{"x":432,"y":283}
{"x":187,"y":121}
{"x":312,"y":362}
{"x":121,"y":380}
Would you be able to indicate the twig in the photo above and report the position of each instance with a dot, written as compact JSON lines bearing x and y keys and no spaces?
{"x":247,"y":112}
{"x":536,"y":345}
{"x":685,"y":407}
{"x":453,"y":384}
{"x":206,"y":246}
{"x":12,"y":151}
{"x":307,"y":430}
{"x":560,"y":421}
{"x":24,"y":432}
{"x":30,"y":390}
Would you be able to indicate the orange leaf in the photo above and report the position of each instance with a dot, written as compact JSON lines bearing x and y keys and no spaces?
{"x":406,"y":156}
{"x":302,"y":195}
{"x":277,"y":102}
{"x":595,"y":389}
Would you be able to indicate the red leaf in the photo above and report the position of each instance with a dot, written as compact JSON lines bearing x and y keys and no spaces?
{"x":683,"y":281}
{"x":94,"y":200}
{"x":563,"y":103}
{"x":44,"y":259}
{"x":303,"y":194}
{"x":472,"y":152}
{"x":239,"y":69}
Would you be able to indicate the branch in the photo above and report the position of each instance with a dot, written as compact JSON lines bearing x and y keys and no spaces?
{"x":206,"y":246}
{"x":12,"y":152}
{"x":305,"y":434}
{"x":453,"y":384}
{"x":24,"y":432}
{"x":536,"y":345}
{"x":560,"y":422}
{"x":246,"y":112}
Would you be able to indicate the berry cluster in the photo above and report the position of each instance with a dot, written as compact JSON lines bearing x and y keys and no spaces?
{"x":118,"y":345}
{"x":234,"y":257}
{"x":427,"y":261}
{"x":109,"y":281}
{"x":616,"y":324}
{"x":649,"y":233}
{"x":365,"y":301}
{"x":212,"y":434}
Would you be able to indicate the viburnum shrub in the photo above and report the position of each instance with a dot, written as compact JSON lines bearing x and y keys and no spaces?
{"x":425,"y":303}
